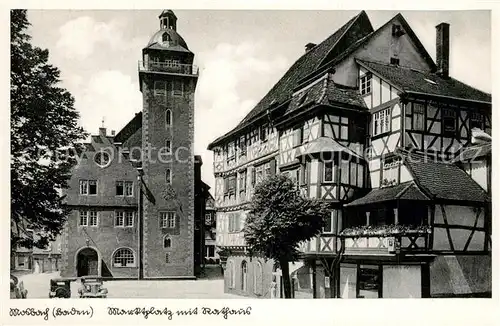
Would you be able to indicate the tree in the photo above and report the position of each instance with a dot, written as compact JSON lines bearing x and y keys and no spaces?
{"x":279,"y":219}
{"x":45,"y":139}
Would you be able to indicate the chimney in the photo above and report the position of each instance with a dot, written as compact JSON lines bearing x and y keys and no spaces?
{"x":309,"y":46}
{"x":112,"y":132}
{"x":443,"y":49}
{"x":102,"y":132}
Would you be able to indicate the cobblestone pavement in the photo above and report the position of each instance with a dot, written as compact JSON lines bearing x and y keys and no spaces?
{"x":38,"y":287}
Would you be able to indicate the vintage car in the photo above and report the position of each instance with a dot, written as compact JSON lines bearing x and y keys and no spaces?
{"x":60,"y":287}
{"x":17,"y":290}
{"x":92,"y":287}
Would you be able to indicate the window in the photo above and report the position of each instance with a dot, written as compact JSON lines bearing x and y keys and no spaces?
{"x":297,"y":136}
{"x":88,"y":187}
{"x":178,"y":88}
{"x":242,"y":180}
{"x":418,"y":116}
{"x":210,"y":251}
{"x":83,"y":218}
{"x":394,"y":61}
{"x":243,"y":146}
{"x":264,"y":132}
{"x":93,"y":218}
{"x":232,"y":184}
{"x":328,"y":224}
{"x":168,"y":118}
{"x":449,"y":121}
{"x":366,"y":84}
{"x":129,"y":188}
{"x":167,"y":258}
{"x":390,"y":174}
{"x":369,"y":281}
{"x":165,"y":37}
{"x":129,"y":219}
{"x":167,"y":241}
{"x":160,"y":88}
{"x":84,"y":187}
{"x":168,"y":145}
{"x":329,"y":173}
{"x":257,"y":278}
{"x":208,"y":218}
{"x":119,"y":188}
{"x":253,"y":177}
{"x":124,"y":257}
{"x":244,"y":271}
{"x":92,"y":187}
{"x":102,"y":159}
{"x":234,"y":223}
{"x":119,"y":218}
{"x":168,"y":176}
{"x":476,"y":121}
{"x":381,"y":122}
{"x":167,"y":220}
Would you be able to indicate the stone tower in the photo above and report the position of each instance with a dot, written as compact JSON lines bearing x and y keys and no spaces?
{"x":167,"y":82}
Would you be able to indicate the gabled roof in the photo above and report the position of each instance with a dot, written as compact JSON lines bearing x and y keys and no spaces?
{"x":326,"y":92}
{"x":306,"y":64}
{"x":406,"y":27}
{"x":130,"y":128}
{"x":403,"y":191}
{"x":444,"y":181}
{"x":410,"y":80}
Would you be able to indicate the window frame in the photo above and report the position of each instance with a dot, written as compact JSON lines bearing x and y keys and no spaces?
{"x":168,"y":118}
{"x":86,"y":213}
{"x":131,"y":215}
{"x":168,"y":220}
{"x":90,"y":217}
{"x":381,"y":119}
{"x":117,"y":219}
{"x":120,"y":264}
{"x":365,"y":83}
{"x":167,"y":237}
{"x":333,"y":174}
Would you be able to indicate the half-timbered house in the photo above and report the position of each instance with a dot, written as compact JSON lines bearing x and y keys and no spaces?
{"x":368,"y":122}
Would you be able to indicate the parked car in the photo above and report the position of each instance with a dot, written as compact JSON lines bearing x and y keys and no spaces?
{"x":60,"y":287}
{"x":17,"y":290}
{"x":92,"y":287}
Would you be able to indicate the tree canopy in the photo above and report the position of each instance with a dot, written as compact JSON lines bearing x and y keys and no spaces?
{"x":45,"y":138}
{"x":279,"y":219}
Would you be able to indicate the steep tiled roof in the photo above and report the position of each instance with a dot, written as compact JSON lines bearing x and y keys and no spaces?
{"x":306,"y":64}
{"x":325,"y":91}
{"x":406,"y":191}
{"x":411,"y":80}
{"x":445,"y":181}
{"x":130,"y":128}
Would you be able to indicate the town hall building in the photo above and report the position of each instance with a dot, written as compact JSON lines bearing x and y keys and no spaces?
{"x":367,"y":122}
{"x":136,"y":196}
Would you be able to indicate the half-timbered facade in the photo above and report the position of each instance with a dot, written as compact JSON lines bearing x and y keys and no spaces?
{"x":367,"y":122}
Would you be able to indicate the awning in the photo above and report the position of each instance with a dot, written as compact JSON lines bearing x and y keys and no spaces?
{"x":324,"y":145}
{"x":402,"y":191}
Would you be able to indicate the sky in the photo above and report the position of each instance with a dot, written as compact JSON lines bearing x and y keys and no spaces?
{"x":241,"y":55}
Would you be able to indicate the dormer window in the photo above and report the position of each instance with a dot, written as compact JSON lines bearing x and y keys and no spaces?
{"x":165,"y":37}
{"x":365,"y":85}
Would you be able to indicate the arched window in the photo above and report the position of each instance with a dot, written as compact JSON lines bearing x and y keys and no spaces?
{"x":165,"y":37}
{"x":244,"y":272}
{"x":168,"y":176}
{"x":168,"y":118}
{"x":124,"y":257}
{"x":167,"y":241}
{"x":257,"y":278}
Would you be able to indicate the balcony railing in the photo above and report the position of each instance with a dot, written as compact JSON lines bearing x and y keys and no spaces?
{"x":387,"y":239}
{"x":168,"y":67}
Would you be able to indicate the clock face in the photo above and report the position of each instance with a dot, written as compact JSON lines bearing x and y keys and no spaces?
{"x":102,"y":159}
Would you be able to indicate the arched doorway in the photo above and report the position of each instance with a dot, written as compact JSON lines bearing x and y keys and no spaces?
{"x":87,"y":262}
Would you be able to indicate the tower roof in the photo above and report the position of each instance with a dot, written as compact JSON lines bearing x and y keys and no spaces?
{"x":175,"y":40}
{"x":167,"y":12}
